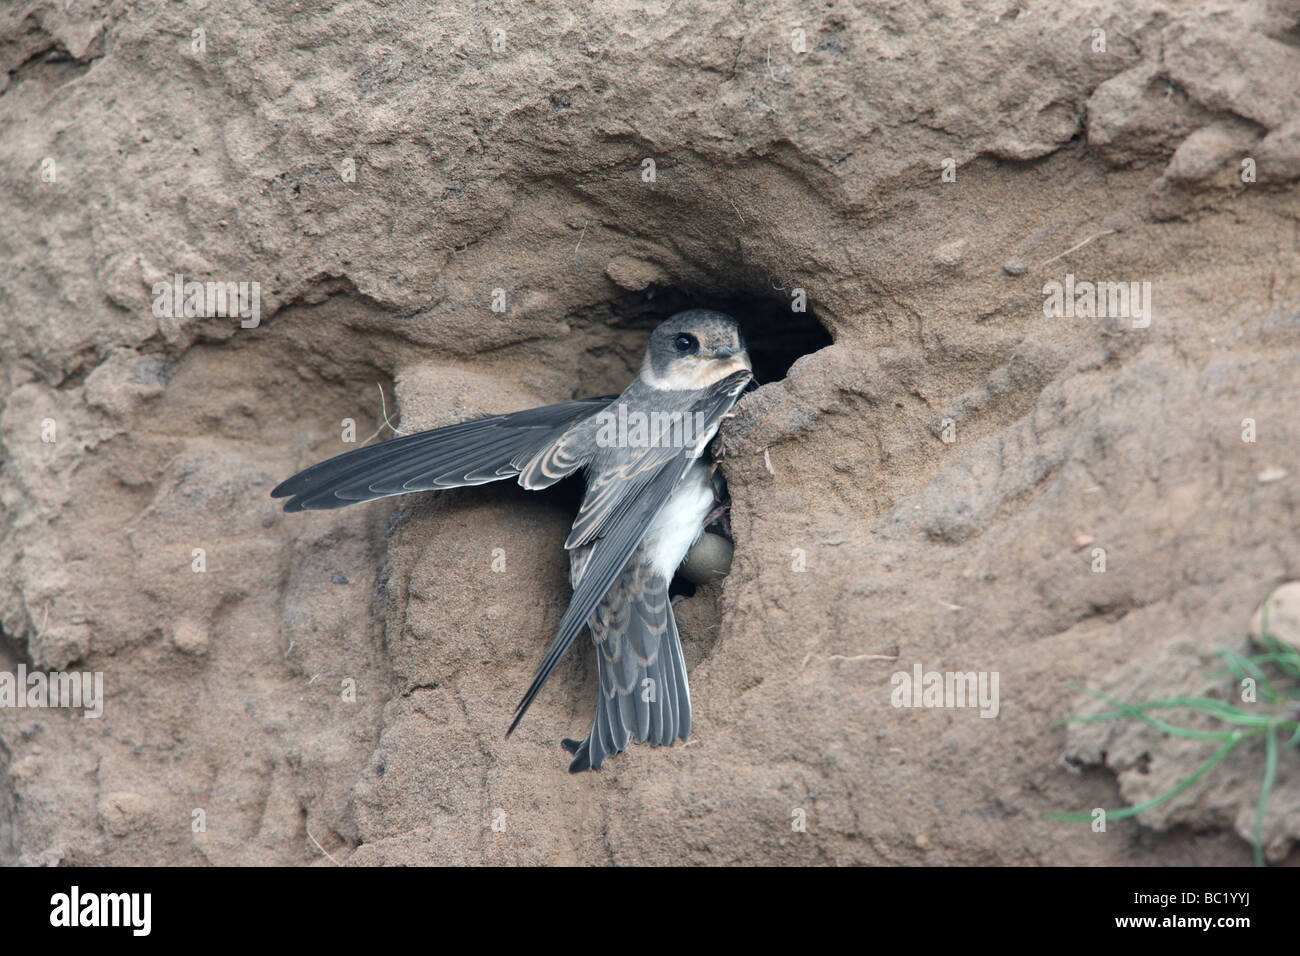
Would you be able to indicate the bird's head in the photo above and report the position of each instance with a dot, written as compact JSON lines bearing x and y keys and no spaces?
{"x":693,"y":350}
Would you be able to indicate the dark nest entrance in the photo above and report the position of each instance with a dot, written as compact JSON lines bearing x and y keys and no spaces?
{"x":777,"y":335}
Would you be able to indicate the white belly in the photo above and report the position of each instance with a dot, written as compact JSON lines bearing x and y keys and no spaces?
{"x":680,"y":522}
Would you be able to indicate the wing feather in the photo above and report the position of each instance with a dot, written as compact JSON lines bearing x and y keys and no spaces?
{"x":468,"y":453}
{"x":641,"y":679}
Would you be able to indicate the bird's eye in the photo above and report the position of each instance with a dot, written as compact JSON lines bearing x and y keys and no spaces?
{"x":685,"y":343}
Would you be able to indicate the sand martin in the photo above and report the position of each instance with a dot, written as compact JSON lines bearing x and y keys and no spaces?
{"x":647,"y":499}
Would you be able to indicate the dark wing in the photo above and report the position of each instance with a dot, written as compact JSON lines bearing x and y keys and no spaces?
{"x":531,"y":444}
{"x":620,"y":522}
{"x":643,"y":694}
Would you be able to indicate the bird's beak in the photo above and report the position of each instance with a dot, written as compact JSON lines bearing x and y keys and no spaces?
{"x":723,"y":352}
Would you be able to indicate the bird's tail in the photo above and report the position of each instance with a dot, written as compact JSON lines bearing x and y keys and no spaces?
{"x":643,"y":693}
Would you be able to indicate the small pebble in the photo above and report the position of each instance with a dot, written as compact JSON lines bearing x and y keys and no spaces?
{"x":1279,"y":615}
{"x":1014,"y":267}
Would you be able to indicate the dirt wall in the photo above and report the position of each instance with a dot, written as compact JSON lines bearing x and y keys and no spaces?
{"x":927,"y":485}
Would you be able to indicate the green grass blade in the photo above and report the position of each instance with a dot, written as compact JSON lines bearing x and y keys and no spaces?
{"x":1160,"y":725}
{"x":1243,"y":667}
{"x":1270,"y":771}
{"x":1214,"y":708}
{"x":1283,"y":655}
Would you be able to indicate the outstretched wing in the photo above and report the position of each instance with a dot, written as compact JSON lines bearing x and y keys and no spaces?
{"x":616,"y":525}
{"x":531,"y":444}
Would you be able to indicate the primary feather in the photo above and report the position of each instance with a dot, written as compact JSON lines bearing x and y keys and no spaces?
{"x":469,"y":453}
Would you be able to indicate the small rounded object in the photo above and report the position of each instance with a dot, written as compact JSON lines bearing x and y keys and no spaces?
{"x":1279,"y":616}
{"x":1014,"y":267}
{"x":709,"y":559}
